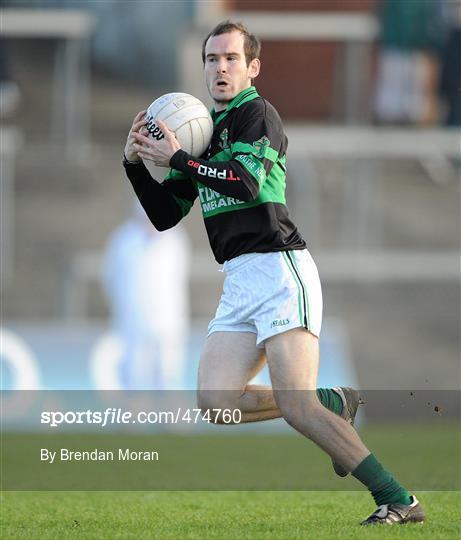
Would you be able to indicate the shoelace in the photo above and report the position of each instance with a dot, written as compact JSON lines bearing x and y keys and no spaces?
{"x":384,"y":512}
{"x":381,"y":512}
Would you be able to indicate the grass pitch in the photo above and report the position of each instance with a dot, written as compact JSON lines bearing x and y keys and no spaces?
{"x":203,"y":515}
{"x":423,"y":457}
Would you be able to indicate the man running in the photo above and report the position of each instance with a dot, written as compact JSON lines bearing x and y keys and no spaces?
{"x":271,"y":307}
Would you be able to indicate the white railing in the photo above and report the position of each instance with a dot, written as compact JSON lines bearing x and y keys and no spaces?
{"x":10,"y":143}
{"x":70,"y":111}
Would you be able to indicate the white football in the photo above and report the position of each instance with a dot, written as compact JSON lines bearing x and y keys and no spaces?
{"x":186,"y":116}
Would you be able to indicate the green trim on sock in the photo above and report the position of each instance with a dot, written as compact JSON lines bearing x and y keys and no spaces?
{"x":331,"y":400}
{"x":383,"y":486}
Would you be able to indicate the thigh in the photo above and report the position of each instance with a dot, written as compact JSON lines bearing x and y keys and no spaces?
{"x":293,"y":359}
{"x":289,"y":294}
{"x":229,"y":360}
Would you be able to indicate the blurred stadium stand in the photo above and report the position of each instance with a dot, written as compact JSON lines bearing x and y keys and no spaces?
{"x":70,"y":88}
{"x":10,"y":140}
{"x":335,"y":45}
{"x":380,"y":208}
{"x":54,"y":355}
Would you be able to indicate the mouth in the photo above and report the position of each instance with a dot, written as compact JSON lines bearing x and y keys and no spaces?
{"x":222,"y":84}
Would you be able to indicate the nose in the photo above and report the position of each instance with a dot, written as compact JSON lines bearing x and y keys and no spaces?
{"x":221,"y":66}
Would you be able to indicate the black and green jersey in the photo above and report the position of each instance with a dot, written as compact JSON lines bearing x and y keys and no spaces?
{"x":239,"y":181}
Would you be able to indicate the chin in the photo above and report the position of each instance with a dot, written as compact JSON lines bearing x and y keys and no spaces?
{"x":224,"y":98}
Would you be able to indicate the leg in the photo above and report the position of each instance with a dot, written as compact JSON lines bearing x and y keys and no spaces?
{"x":229,"y":360}
{"x":293,"y":359}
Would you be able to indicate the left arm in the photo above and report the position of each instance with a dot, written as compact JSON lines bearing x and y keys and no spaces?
{"x":226,"y":177}
{"x":240,"y":177}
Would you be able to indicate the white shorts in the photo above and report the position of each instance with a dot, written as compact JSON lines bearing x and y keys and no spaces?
{"x":270,"y":293}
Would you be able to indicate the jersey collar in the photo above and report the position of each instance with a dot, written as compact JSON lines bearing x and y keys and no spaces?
{"x":245,"y":95}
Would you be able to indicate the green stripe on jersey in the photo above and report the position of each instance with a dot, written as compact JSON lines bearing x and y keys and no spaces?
{"x":184,"y":204}
{"x":246,"y":95}
{"x":174,"y":174}
{"x":253,"y":166}
{"x":224,"y":155}
{"x":246,"y":148}
{"x":214,"y":203}
{"x":282,"y":163}
{"x":272,"y":190}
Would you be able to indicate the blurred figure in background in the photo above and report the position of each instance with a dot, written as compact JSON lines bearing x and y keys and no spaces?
{"x":407,"y":65}
{"x":450,"y":70}
{"x":10,"y":96}
{"x":146,"y":280}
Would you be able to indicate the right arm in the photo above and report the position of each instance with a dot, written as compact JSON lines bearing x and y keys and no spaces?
{"x":165,"y":204}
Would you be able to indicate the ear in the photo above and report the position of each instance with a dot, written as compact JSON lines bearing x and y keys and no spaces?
{"x":254,"y":67}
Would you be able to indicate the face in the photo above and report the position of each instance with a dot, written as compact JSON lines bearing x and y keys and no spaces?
{"x":226,"y":71}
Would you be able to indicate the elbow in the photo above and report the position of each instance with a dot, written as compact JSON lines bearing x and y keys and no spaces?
{"x":250,"y":190}
{"x":248,"y":198}
{"x":249,"y":195}
{"x":161,"y":226}
{"x":164,"y":220}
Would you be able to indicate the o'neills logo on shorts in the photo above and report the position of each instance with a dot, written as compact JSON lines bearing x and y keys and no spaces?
{"x":279,"y":322}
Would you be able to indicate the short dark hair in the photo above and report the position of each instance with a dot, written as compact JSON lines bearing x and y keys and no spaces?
{"x":251,"y":45}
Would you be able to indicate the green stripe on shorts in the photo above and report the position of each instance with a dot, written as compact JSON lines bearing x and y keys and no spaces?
{"x":300,"y":304}
{"x":304,"y":288}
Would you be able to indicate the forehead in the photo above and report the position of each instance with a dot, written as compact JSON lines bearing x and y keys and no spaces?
{"x":231,"y":42}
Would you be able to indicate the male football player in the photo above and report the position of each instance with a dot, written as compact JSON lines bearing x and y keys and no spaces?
{"x":271,"y":308}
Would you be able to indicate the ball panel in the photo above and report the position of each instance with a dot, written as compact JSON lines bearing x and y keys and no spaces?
{"x":177,"y":118}
{"x":186,"y":116}
{"x":184,"y":136}
{"x":163,"y":101}
{"x":206,"y":124}
{"x":197,"y":137}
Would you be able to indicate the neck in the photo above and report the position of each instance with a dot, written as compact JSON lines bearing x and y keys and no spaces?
{"x":222,"y":105}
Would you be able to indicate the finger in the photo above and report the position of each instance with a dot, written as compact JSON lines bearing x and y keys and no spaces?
{"x":141,"y":122}
{"x":165,"y":130}
{"x":142,"y":138}
{"x":139,"y":116}
{"x":141,"y":150}
{"x":136,"y":126}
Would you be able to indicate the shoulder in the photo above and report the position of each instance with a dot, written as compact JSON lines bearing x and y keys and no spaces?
{"x":259,"y":107}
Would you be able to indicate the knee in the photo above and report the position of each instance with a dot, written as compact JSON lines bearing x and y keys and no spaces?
{"x":299,"y":412}
{"x":212,"y":403}
{"x":293,"y":418}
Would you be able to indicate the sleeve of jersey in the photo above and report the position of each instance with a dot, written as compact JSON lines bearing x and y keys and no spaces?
{"x":165,"y":204}
{"x":253,"y":156}
{"x":257,"y":147}
{"x":226,"y":177}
